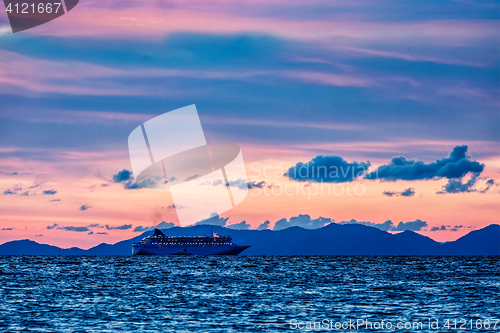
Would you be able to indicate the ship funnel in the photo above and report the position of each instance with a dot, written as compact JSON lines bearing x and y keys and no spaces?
{"x":158,"y":233}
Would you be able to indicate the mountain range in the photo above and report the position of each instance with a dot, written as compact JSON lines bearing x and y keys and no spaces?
{"x":333,"y":239}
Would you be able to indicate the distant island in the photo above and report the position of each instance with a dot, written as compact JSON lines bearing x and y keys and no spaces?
{"x":332,"y":239}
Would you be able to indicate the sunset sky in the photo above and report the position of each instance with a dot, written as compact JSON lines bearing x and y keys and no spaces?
{"x":327,"y":82}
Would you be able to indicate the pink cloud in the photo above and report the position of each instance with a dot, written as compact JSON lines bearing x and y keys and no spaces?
{"x":148,"y":20}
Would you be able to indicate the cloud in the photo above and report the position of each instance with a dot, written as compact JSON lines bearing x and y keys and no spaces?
{"x":101,"y":233}
{"x":327,"y":169}
{"x":243,"y":225}
{"x":254,"y":184}
{"x":90,"y":233}
{"x":84,"y":207}
{"x":450,"y":228}
{"x":8,"y":229}
{"x":35,"y":189}
{"x":77,"y":229}
{"x":125,"y":178}
{"x":457,"y":164}
{"x":303,"y":221}
{"x":409,"y":192}
{"x":386,"y":226}
{"x":242,"y":184}
{"x":120,"y":227}
{"x":489,"y":184}
{"x":49,"y":192}
{"x":73,"y":228}
{"x":213,"y":220}
{"x":55,"y":200}
{"x":142,"y":229}
{"x":39,"y":235}
{"x":264,"y":226}
{"x":416,"y":225}
{"x":122,"y":176}
{"x":456,"y":185}
{"x":161,"y":225}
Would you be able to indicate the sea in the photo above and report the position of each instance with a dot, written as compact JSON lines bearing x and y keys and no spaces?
{"x":249,"y":293}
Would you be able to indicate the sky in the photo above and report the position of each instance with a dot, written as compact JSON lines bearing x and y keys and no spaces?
{"x":409,"y":90}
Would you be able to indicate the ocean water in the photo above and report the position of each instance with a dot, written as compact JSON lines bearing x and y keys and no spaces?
{"x":248,"y":293}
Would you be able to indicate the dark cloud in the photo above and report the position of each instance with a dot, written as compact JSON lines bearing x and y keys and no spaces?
{"x":35,"y":189}
{"x":101,"y":233}
{"x":162,"y":225}
{"x":243,"y":225}
{"x":39,"y":235}
{"x":122,"y":176}
{"x":409,"y":192}
{"x":264,"y":226}
{"x":55,"y":200}
{"x":242,"y":184}
{"x":449,"y":228}
{"x":416,"y":225}
{"x":125,"y":178}
{"x":8,"y":228}
{"x":386,"y":226}
{"x":120,"y":227}
{"x":142,"y":229}
{"x":130,"y":185}
{"x":489,"y":184}
{"x":191,"y":177}
{"x":327,"y":169}
{"x":165,"y":225}
{"x":49,"y":192}
{"x":90,"y":233}
{"x":303,"y":221}
{"x":77,"y":229}
{"x":456,"y":185}
{"x":443,"y":227}
{"x":456,"y":165}
{"x":15,"y":173}
{"x":213,"y":220}
{"x":73,"y":228}
{"x":255,"y":184}
{"x":84,"y":207}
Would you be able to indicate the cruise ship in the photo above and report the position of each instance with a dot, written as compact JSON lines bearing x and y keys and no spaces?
{"x":160,"y":244}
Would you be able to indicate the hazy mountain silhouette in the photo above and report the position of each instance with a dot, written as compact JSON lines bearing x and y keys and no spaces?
{"x":333,"y":239}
